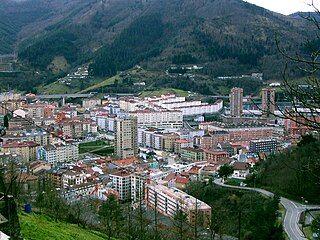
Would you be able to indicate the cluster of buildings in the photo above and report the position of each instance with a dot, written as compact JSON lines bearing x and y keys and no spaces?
{"x":156,"y":154}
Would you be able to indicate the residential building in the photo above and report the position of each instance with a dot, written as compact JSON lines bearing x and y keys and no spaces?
{"x":126,"y":137}
{"x":211,"y":139}
{"x":71,"y":178}
{"x":121,"y":182}
{"x":236,"y":98}
{"x":58,"y":153}
{"x":240,"y":170}
{"x":244,"y":133}
{"x":215,"y":156}
{"x":169,"y":200}
{"x":263,"y":146}
{"x":158,"y":119}
{"x":268,"y":101}
{"x":193,"y":154}
{"x":90,"y":102}
{"x":182,"y":143}
{"x":26,"y":149}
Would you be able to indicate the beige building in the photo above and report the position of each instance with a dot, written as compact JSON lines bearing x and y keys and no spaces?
{"x":236,"y":98}
{"x":90,"y":102}
{"x":126,"y":137}
{"x":268,"y":101}
{"x":169,"y":200}
{"x":26,"y":149}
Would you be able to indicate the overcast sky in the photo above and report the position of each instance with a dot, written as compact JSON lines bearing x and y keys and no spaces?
{"x":285,"y":6}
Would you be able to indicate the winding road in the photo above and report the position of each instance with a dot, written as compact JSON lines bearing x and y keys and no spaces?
{"x":293,"y":211}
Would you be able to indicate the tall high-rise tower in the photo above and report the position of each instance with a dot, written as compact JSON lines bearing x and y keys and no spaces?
{"x":236,"y":97}
{"x":126,"y":137}
{"x":268,"y":101}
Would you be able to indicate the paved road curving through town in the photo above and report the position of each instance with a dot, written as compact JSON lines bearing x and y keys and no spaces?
{"x":293,"y":211}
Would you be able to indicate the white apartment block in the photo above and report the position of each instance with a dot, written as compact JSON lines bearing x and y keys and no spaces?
{"x":169,"y":200}
{"x":201,"y":108}
{"x":121,"y":182}
{"x":71,"y":178}
{"x":105,"y":122}
{"x":158,"y":119}
{"x":58,"y":153}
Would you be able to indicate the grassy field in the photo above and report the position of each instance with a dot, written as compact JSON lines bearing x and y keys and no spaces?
{"x":178,"y":92}
{"x":99,"y":147}
{"x":34,"y":226}
{"x":92,"y":144}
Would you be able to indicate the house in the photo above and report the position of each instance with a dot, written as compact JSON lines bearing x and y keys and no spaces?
{"x":240,"y":170}
{"x":181,"y":182}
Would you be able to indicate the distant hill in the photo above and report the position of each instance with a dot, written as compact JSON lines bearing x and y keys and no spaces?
{"x":306,"y":15}
{"x":227,"y":37}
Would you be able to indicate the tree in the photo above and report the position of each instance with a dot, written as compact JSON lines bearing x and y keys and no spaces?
{"x":304,"y":97}
{"x":225,"y":171}
{"x":181,"y":226}
{"x":111,"y":215}
{"x":315,"y":226}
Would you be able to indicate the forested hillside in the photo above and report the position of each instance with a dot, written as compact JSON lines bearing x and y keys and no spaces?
{"x":226,"y":37}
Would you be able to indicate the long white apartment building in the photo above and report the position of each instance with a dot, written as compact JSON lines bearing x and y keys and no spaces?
{"x":169,"y":200}
{"x":58,"y":153}
{"x":200,"y":108}
{"x":169,"y":102}
{"x":158,"y":119}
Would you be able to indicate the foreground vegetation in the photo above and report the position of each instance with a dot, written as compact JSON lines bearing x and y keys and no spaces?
{"x":40,"y":226}
{"x":293,"y":173}
{"x":244,"y":214}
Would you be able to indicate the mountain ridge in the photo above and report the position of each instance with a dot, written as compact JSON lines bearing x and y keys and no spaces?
{"x":227,"y":37}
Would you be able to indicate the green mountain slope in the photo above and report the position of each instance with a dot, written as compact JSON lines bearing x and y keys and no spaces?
{"x":227,"y":37}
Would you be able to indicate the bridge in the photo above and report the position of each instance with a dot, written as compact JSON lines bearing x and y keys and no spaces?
{"x":65,"y":96}
{"x":75,"y":95}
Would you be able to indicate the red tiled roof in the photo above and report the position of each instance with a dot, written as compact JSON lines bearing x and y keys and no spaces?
{"x":124,"y":162}
{"x":182,"y":180}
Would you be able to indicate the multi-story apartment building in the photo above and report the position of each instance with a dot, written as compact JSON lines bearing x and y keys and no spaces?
{"x":263,"y":146}
{"x":71,"y":178}
{"x":106,"y":121}
{"x":90,"y":102}
{"x":58,"y":153}
{"x":244,"y":133}
{"x":215,"y":156}
{"x":126,"y":137}
{"x":168,"y":141}
{"x":182,"y":143}
{"x":212,"y":139}
{"x":170,"y":200}
{"x":268,"y":101}
{"x":236,"y":98}
{"x":121,"y":182}
{"x":201,"y":108}
{"x":26,"y":149}
{"x":158,"y":119}
{"x":55,"y":177}
{"x":193,"y":154}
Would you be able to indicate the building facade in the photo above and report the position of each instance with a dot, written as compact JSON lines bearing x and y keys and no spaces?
{"x":126,"y":137}
{"x":170,"y":200}
{"x":236,"y":98}
{"x":268,"y":101}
